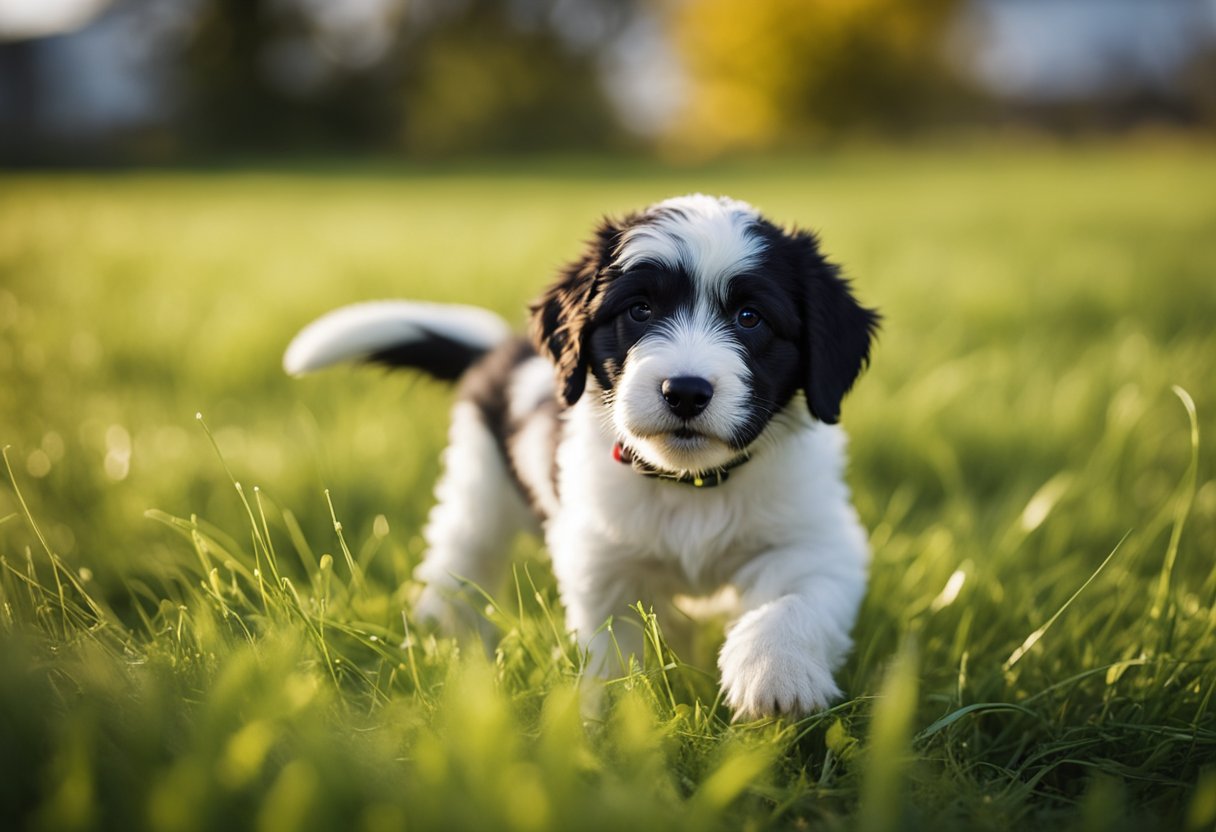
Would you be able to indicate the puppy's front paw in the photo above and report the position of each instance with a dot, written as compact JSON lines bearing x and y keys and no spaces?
{"x":766,"y":676}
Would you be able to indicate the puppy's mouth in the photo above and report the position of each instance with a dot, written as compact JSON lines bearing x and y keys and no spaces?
{"x":680,"y":448}
{"x":685,"y":440}
{"x":682,"y":435}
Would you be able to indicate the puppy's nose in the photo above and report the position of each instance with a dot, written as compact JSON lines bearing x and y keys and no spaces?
{"x":687,"y":395}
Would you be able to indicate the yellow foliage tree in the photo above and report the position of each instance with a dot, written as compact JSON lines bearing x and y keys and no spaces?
{"x":764,"y":73}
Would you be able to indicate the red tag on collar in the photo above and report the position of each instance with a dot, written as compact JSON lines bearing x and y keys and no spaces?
{"x":621,"y":455}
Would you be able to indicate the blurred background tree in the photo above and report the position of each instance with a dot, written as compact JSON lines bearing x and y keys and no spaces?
{"x":253,"y":79}
{"x":430,"y":79}
{"x":493,"y":77}
{"x":773,"y":72}
{"x":144,"y":81}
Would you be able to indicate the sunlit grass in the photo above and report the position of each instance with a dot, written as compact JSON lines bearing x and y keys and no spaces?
{"x":206,"y":623}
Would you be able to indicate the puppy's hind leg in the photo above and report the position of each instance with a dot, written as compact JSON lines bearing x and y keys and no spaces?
{"x":470,"y":529}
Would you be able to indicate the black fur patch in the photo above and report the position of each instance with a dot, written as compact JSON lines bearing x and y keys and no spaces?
{"x":559,"y":321}
{"x":442,"y":357}
{"x":837,"y":330}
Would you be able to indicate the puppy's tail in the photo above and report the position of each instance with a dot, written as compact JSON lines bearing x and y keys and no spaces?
{"x":441,"y":339}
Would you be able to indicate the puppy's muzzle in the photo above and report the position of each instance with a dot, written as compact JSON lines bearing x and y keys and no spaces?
{"x":687,"y":396}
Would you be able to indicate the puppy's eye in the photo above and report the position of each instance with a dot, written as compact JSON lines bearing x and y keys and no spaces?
{"x":640,"y":312}
{"x":748,"y":318}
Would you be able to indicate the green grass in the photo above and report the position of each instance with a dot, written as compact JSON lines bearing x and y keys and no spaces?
{"x":180,"y":653}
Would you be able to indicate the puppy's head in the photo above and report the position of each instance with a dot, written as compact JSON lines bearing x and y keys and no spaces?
{"x":699,"y":320}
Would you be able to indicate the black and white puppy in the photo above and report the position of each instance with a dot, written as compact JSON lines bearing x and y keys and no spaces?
{"x":670,"y":426}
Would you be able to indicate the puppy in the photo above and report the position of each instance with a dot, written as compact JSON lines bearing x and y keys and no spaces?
{"x":670,"y":427}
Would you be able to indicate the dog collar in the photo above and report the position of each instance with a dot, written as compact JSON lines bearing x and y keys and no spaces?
{"x":707,"y":479}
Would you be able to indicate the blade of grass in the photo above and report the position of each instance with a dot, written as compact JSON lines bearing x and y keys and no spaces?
{"x":1033,"y":638}
{"x":1185,"y":500}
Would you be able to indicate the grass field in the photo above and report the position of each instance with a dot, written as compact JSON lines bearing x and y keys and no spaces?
{"x":178,"y":652}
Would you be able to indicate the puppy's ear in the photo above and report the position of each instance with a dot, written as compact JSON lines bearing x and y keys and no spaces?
{"x":561,"y":317}
{"x":837,"y":331}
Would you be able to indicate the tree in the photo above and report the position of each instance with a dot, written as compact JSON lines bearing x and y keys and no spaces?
{"x":476,"y":81}
{"x":769,"y":72}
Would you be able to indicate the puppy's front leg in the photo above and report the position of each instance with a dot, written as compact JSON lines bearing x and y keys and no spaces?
{"x":595,"y":589}
{"x":779,"y":655}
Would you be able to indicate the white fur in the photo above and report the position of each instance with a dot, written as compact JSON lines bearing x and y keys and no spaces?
{"x":362,"y":329}
{"x":704,"y":235}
